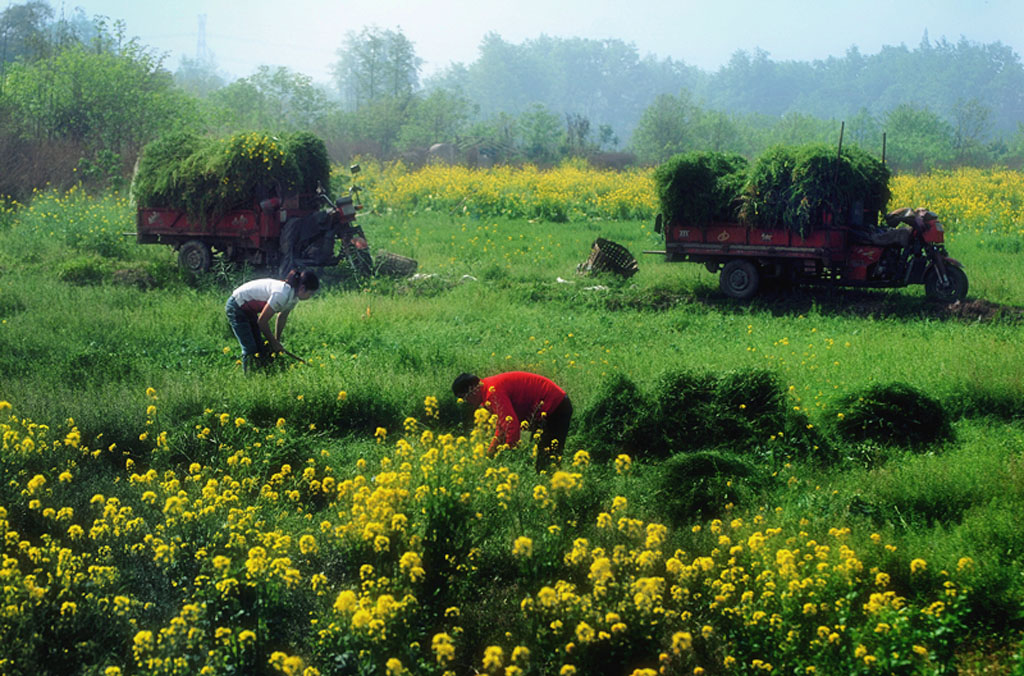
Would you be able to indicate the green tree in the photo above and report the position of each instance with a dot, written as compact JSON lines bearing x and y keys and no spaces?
{"x":577,"y":135}
{"x":198,"y":77}
{"x":917,"y":139}
{"x":375,"y":64}
{"x":378,"y":124}
{"x":439,"y":117}
{"x":720,"y":132}
{"x":272,"y":98}
{"x":799,"y":129}
{"x":971,"y":126}
{"x":541,"y":134}
{"x":666,"y":128}
{"x":498,"y":137}
{"x":115,"y":100}
{"x":23,"y":32}
{"x":864,"y":130}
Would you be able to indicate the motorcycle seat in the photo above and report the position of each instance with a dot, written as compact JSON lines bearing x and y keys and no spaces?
{"x":899,"y":236}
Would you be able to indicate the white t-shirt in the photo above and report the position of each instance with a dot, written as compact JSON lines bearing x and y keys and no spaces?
{"x":253,"y":296}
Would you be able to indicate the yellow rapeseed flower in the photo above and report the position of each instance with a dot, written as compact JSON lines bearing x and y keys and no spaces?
{"x":522,"y":547}
{"x":681,"y":642}
{"x":493,"y":656}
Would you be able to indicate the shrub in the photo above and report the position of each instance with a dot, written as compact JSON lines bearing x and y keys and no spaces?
{"x":894,"y":414}
{"x":99,"y":241}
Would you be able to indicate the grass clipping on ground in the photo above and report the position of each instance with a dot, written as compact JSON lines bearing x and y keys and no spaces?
{"x":206,"y":177}
{"x":795,"y":187}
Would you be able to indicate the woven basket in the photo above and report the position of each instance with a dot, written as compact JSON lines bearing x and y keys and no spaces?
{"x":607,"y":256}
{"x":388,"y":264}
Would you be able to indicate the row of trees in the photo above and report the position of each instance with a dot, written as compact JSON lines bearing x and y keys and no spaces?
{"x":78,"y":99}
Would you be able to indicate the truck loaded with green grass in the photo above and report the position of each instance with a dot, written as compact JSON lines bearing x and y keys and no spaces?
{"x":800,"y":215}
{"x":255,"y":198}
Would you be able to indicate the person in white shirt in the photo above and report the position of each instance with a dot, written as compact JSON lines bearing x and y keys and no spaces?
{"x":251,"y":306}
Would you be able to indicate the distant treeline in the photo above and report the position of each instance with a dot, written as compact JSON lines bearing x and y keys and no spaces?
{"x":79,"y":98}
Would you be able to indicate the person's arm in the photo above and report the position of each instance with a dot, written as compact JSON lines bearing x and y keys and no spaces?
{"x":507,"y":429}
{"x":263,"y":321}
{"x":282,"y":319}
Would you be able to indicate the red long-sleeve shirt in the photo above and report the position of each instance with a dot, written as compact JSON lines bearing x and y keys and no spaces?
{"x":515,"y":396}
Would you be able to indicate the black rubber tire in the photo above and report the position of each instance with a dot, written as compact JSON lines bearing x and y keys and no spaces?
{"x":195,"y":256}
{"x":955,"y":290}
{"x":739,"y":279}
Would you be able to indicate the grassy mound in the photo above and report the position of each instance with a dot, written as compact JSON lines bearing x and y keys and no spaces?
{"x":689,"y":410}
{"x":700,"y":187}
{"x":698,"y":486}
{"x":894,"y":414}
{"x":799,"y":186}
{"x":618,"y":420}
{"x":206,"y":177}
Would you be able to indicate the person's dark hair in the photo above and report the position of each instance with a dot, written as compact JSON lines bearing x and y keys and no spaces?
{"x":306,"y":278}
{"x":464,"y":382}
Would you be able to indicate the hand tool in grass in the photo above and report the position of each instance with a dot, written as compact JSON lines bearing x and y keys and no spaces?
{"x":293,"y":355}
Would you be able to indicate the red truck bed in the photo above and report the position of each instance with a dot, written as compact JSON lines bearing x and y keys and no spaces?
{"x":733,"y":239}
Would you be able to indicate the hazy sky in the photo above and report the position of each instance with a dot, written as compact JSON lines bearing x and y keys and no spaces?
{"x":305,"y":34}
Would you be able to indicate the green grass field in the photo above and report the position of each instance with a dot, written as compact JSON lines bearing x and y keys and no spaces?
{"x":89,"y":321}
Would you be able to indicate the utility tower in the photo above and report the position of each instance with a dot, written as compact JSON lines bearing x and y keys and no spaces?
{"x":202,"y":53}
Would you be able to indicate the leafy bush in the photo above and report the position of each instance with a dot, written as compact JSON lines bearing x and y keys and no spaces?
{"x":895,"y":414}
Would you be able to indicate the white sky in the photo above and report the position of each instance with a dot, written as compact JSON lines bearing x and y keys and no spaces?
{"x":305,"y":34}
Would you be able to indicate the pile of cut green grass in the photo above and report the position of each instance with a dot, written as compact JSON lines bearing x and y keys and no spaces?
{"x":205,"y":177}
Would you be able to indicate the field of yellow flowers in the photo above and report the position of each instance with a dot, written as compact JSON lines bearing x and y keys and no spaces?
{"x":973,"y":200}
{"x":404,"y":563}
{"x":162,"y":514}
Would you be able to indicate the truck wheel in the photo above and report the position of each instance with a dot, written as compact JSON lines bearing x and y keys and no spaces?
{"x":739,"y":279}
{"x":195,"y":256}
{"x":954,"y":290}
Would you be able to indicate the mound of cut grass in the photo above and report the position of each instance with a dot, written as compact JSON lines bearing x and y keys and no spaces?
{"x":699,"y":486}
{"x":803,"y":187}
{"x":893,"y":414}
{"x":700,"y":187}
{"x":206,"y":177}
{"x":691,"y":410}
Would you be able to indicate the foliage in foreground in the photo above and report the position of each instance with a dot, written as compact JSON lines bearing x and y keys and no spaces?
{"x":425,"y":556}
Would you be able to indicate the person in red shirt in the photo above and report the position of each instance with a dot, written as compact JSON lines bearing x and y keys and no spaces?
{"x":518,"y":396}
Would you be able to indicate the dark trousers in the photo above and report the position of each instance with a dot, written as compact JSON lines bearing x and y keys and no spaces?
{"x":245,"y":328}
{"x":555,"y":430}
